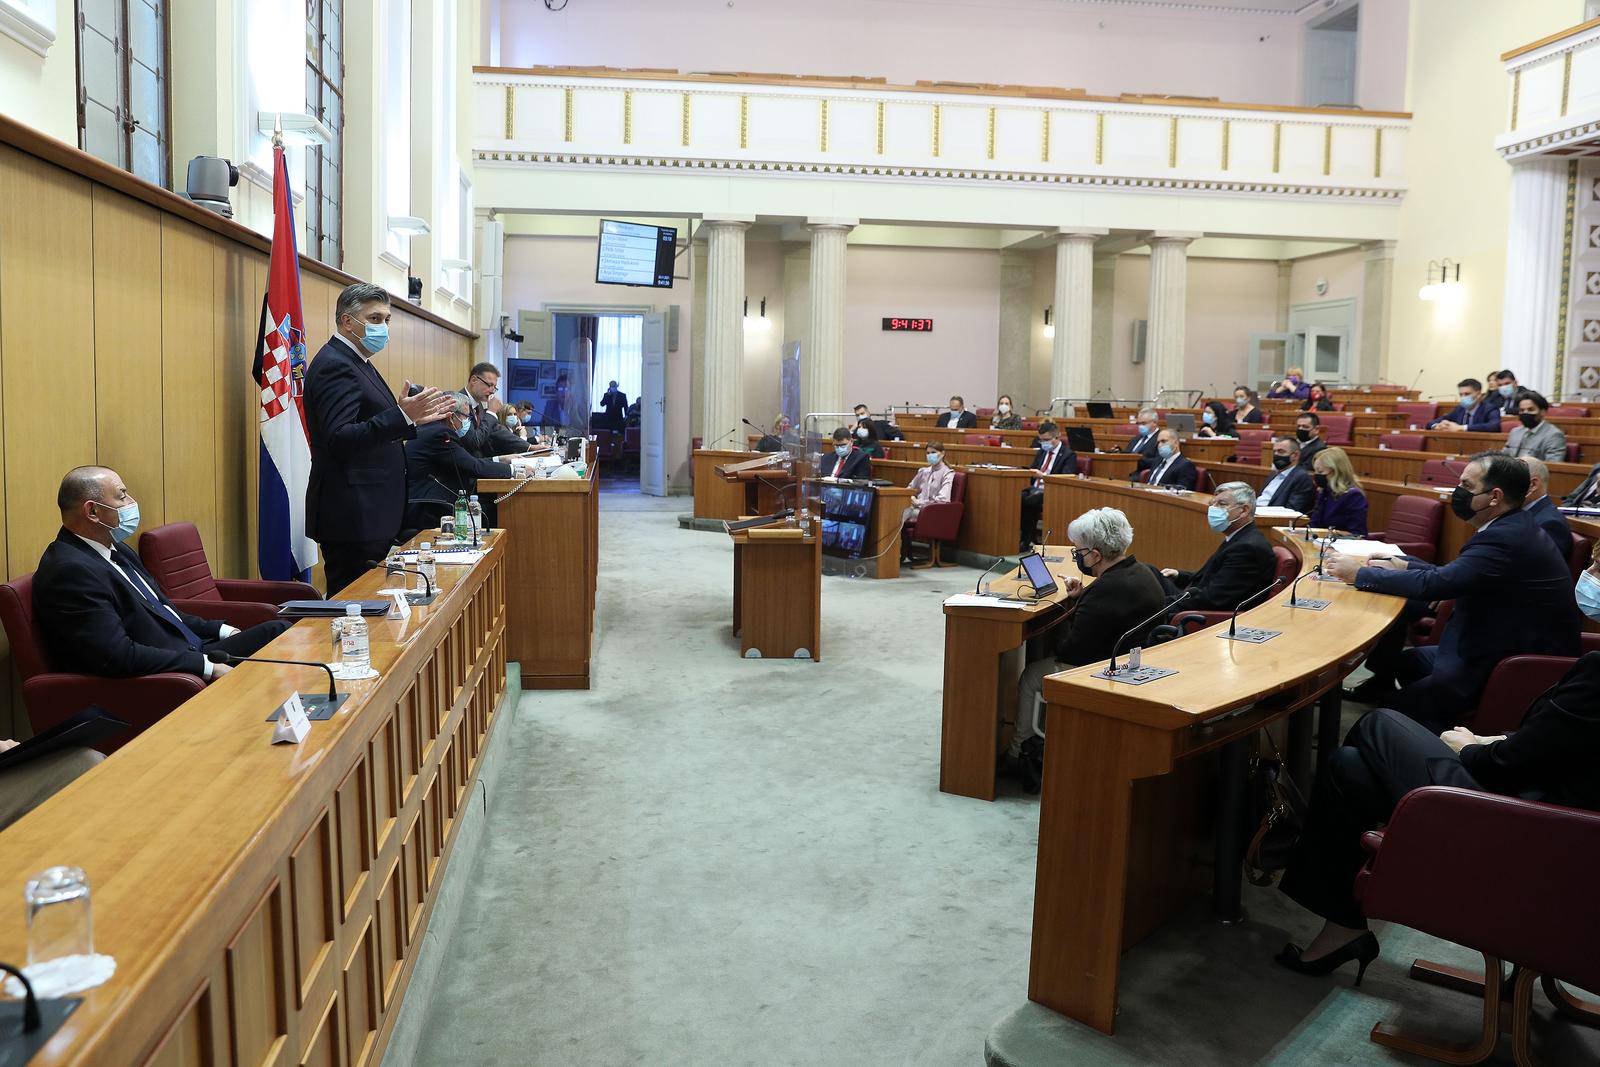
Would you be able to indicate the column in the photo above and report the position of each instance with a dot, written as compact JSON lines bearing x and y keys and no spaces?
{"x":1535,"y":251}
{"x":724,"y":363}
{"x":822,"y":368}
{"x":1019,"y":318}
{"x":1285,"y":276}
{"x":1169,"y":284}
{"x":697,"y":338}
{"x":1377,"y":298}
{"x":1071,"y":349}
{"x":1105,"y":285}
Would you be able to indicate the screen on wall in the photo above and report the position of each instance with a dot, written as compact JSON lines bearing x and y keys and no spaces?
{"x":634,"y":254}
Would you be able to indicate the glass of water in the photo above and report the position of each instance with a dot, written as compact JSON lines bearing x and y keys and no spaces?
{"x":59,"y":918}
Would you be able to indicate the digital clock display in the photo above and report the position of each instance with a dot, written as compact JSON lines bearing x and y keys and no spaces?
{"x":909,"y":325}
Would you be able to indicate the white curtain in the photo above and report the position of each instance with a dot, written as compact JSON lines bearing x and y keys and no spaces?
{"x":618,"y":355}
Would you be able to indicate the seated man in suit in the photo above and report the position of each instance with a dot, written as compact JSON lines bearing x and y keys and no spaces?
{"x":1537,"y":436}
{"x":1512,"y":593}
{"x":846,"y":461}
{"x":26,"y":786}
{"x":440,"y":466}
{"x":1474,"y":413}
{"x":1053,"y":456}
{"x":1308,"y":431}
{"x":1291,"y":486}
{"x":958,"y":416}
{"x":1172,"y":468}
{"x":1240,"y":567}
{"x":1587,"y":494}
{"x":1545,"y":514}
{"x":99,"y":609}
{"x":488,"y":435}
{"x":1124,"y":592}
{"x":1147,"y":428}
{"x":1506,"y":392}
{"x":883,"y":429}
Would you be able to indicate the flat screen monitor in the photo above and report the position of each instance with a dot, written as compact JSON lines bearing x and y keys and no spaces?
{"x":1181,"y":422}
{"x":852,"y":535}
{"x":1080,"y":439}
{"x":635,"y":254}
{"x":1038,"y":575}
{"x":1099,"y":409}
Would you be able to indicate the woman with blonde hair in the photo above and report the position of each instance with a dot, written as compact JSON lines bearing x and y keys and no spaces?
{"x":1292,"y":386}
{"x":1340,"y":503}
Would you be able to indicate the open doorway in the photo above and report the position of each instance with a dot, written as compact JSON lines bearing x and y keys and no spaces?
{"x":1332,"y":54}
{"x":614,"y":341}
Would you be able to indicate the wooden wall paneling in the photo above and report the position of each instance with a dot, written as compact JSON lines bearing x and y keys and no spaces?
{"x":390,"y":913}
{"x":127,"y":347}
{"x":325,"y":1048}
{"x":246,"y":401}
{"x":317,"y":299}
{"x":361,"y":995}
{"x":258,"y":980}
{"x":353,"y":806}
{"x":413,"y":861}
{"x":188,"y":379}
{"x":383,"y":752}
{"x":312,"y":906}
{"x":46,"y":302}
{"x":237,"y":318}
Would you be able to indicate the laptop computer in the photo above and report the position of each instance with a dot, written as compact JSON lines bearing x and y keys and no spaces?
{"x":1099,"y":409}
{"x":1080,"y":439}
{"x":1180,"y":422}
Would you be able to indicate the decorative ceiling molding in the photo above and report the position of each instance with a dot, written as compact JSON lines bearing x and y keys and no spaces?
{"x":30,"y":22}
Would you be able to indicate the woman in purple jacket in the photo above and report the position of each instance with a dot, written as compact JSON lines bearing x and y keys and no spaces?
{"x":1340,"y":504}
{"x":1291,"y":387}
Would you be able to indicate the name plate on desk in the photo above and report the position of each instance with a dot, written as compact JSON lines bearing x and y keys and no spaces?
{"x":293,"y":726}
{"x":776,"y":533}
{"x":1134,"y":675}
{"x":1250,"y":635}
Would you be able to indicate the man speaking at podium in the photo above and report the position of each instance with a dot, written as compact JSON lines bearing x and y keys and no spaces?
{"x":356,"y":496}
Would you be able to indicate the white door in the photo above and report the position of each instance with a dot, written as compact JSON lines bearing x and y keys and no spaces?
{"x":1326,"y":350}
{"x":653,"y":408}
{"x":1270,"y":355}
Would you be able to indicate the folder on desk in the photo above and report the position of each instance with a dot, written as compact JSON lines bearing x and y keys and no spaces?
{"x":1365,"y":549}
{"x":80,"y":731}
{"x":328,"y":609}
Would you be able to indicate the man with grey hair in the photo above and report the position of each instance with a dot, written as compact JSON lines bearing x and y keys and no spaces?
{"x":1241,"y":566}
{"x":1147,"y":429}
{"x":1540,"y":508}
{"x":1119,"y":594}
{"x":441,"y":465}
{"x":356,"y":496}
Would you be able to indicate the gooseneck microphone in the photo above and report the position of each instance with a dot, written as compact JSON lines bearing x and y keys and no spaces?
{"x":228,"y":659}
{"x":1233,"y":622}
{"x":978,"y":590}
{"x":1294,"y":585}
{"x":1111,"y":668}
{"x":391,"y":568}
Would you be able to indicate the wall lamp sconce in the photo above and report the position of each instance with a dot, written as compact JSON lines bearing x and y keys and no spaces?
{"x":408,"y":225}
{"x":1049,"y":328}
{"x":761,"y":323}
{"x":293,"y":128}
{"x":1448,"y":284}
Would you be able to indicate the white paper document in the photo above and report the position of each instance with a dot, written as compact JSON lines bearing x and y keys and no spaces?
{"x":1269,"y":511}
{"x":1364,"y":549}
{"x":973,"y":600}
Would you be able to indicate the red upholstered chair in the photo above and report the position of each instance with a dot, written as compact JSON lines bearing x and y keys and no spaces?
{"x":1086,"y":467}
{"x":938,"y":523}
{"x":176,"y":559}
{"x":1402,"y":442}
{"x":1516,"y":903}
{"x":1202,"y":480}
{"x":1417,"y":415}
{"x":1442,"y":472}
{"x":1030,"y":424}
{"x":1414,"y":525}
{"x":1513,"y":685}
{"x":1574,"y":450}
{"x":1581,"y":555}
{"x":1567,"y":411}
{"x":1337,"y":429}
{"x":630,"y":442}
{"x":984,"y":413}
{"x":1253,"y":445}
{"x":52,"y":696}
{"x":975,"y":439}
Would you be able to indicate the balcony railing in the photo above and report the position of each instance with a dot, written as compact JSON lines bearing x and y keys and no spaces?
{"x":1554,"y":95}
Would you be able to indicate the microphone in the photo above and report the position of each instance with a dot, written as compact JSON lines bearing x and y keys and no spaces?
{"x":392,"y":568}
{"x":1296,"y":583}
{"x":762,"y":429}
{"x":1233,"y":622}
{"x":721,"y":439}
{"x":1111,"y":668}
{"x":324,"y":707}
{"x":978,"y":590}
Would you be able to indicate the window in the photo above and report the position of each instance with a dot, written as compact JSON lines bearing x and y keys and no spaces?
{"x":461,"y":283}
{"x":325,"y":101}
{"x":395,"y":144}
{"x":123,"y":112}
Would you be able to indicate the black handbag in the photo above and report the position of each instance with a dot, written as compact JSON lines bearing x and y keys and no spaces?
{"x":1279,"y":811}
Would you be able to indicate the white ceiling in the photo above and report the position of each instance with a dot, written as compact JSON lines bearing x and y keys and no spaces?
{"x":1243,"y":7}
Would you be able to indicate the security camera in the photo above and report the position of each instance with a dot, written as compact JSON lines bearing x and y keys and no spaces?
{"x":209,"y":180}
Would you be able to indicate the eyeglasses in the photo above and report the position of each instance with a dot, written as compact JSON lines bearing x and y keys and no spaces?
{"x":491,"y":385}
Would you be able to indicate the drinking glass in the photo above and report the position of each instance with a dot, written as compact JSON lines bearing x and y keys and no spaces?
{"x":59,"y":919}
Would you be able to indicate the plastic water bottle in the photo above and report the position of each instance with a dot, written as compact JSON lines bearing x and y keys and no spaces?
{"x":355,"y":648}
{"x":475,"y":513}
{"x":426,"y":565}
{"x":462,"y":519}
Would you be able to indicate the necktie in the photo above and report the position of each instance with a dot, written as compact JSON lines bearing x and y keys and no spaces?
{"x":166,"y":612}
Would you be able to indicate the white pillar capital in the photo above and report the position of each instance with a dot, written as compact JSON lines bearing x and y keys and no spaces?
{"x":717,"y":219}
{"x":846,"y":225}
{"x":1170,"y":238}
{"x":1069,"y":233}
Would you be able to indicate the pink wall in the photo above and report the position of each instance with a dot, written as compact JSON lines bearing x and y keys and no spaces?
{"x":958,"y":288}
{"x":1104,"y":48}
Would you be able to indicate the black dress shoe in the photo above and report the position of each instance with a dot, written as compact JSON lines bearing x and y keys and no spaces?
{"x":1363,"y":950}
{"x":1020,"y":769}
{"x":1371,"y":691}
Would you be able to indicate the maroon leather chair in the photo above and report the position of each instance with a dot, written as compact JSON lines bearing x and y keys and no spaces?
{"x":1567,"y":411}
{"x":1513,"y":686}
{"x":176,"y":558}
{"x":1086,"y":466}
{"x":52,"y":696}
{"x":1402,"y":442}
{"x":938,"y":523}
{"x":1253,"y":445}
{"x":1286,"y":570}
{"x":1581,"y":556}
{"x":1414,"y":526}
{"x":1444,"y":473}
{"x":1416,"y":414}
{"x":1574,"y":450}
{"x":1337,"y":429}
{"x":1522,"y":902}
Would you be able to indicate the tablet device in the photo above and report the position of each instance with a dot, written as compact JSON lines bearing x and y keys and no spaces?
{"x":1038,"y":575}
{"x":1182,"y":423}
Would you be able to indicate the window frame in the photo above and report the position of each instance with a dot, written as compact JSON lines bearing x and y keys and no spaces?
{"x":316,"y":199}
{"x":124,"y":103}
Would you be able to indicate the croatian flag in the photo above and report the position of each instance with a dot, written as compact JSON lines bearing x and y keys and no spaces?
{"x":284,"y":553}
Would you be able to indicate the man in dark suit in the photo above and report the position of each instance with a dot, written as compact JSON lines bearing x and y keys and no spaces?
{"x":487,"y":435}
{"x":614,"y":403}
{"x":356,"y":496}
{"x":1240,"y":567}
{"x":1053,"y":456}
{"x":1291,"y":486}
{"x":1123,"y":593}
{"x":846,"y":461}
{"x":1587,"y":494}
{"x":102,"y":613}
{"x":440,"y":467}
{"x":1147,"y":430}
{"x":1507,"y":553}
{"x":958,"y":416}
{"x":883,"y":429}
{"x":1475,"y":412}
{"x":1308,"y":431}
{"x":1172,"y":468}
{"x":1543,"y":511}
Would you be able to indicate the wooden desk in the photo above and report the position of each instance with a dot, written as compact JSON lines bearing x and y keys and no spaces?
{"x":715,"y":498}
{"x":981,"y":671}
{"x":889,"y":503}
{"x":1460,"y":442}
{"x":266,"y":904}
{"x":1130,"y":773}
{"x":777,"y":593}
{"x":991,"y":525}
{"x":552,"y":564}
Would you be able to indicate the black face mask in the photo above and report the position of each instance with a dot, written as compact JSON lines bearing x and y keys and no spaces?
{"x":1282,"y":463}
{"x":1303,"y":435}
{"x":1078,"y":557}
{"x":1321,"y":480}
{"x":1530,"y":419}
{"x":1461,"y":503}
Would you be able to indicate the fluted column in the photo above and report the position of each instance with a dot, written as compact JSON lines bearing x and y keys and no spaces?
{"x":1072,"y":346}
{"x":1169,"y":287}
{"x":822,"y":368}
{"x":724,"y":363}
{"x":1535,"y":251}
{"x":1377,"y":302}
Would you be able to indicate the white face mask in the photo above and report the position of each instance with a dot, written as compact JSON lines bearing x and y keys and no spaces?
{"x":861,"y":432}
{"x":1005,"y":409}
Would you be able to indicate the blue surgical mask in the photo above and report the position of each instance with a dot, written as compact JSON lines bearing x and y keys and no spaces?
{"x":1209,"y":417}
{"x":461,"y":431}
{"x":1217,"y":517}
{"x":1165,"y":451}
{"x":1588,"y":594}
{"x":127,"y":520}
{"x":375,"y":337}
{"x":934,"y":458}
{"x":1508,"y":391}
{"x":1144,"y":429}
{"x":843,"y":450}
{"x":527,"y":420}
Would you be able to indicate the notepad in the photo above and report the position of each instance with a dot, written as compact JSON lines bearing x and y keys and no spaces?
{"x":1365,"y":549}
{"x":974,"y":600}
{"x":1269,"y":511}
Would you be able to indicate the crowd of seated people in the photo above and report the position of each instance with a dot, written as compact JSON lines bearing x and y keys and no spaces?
{"x":1216,"y":420}
{"x":1537,"y":436}
{"x":1291,"y":485}
{"x":1246,"y":407}
{"x":1476,"y":412}
{"x":1053,"y":456}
